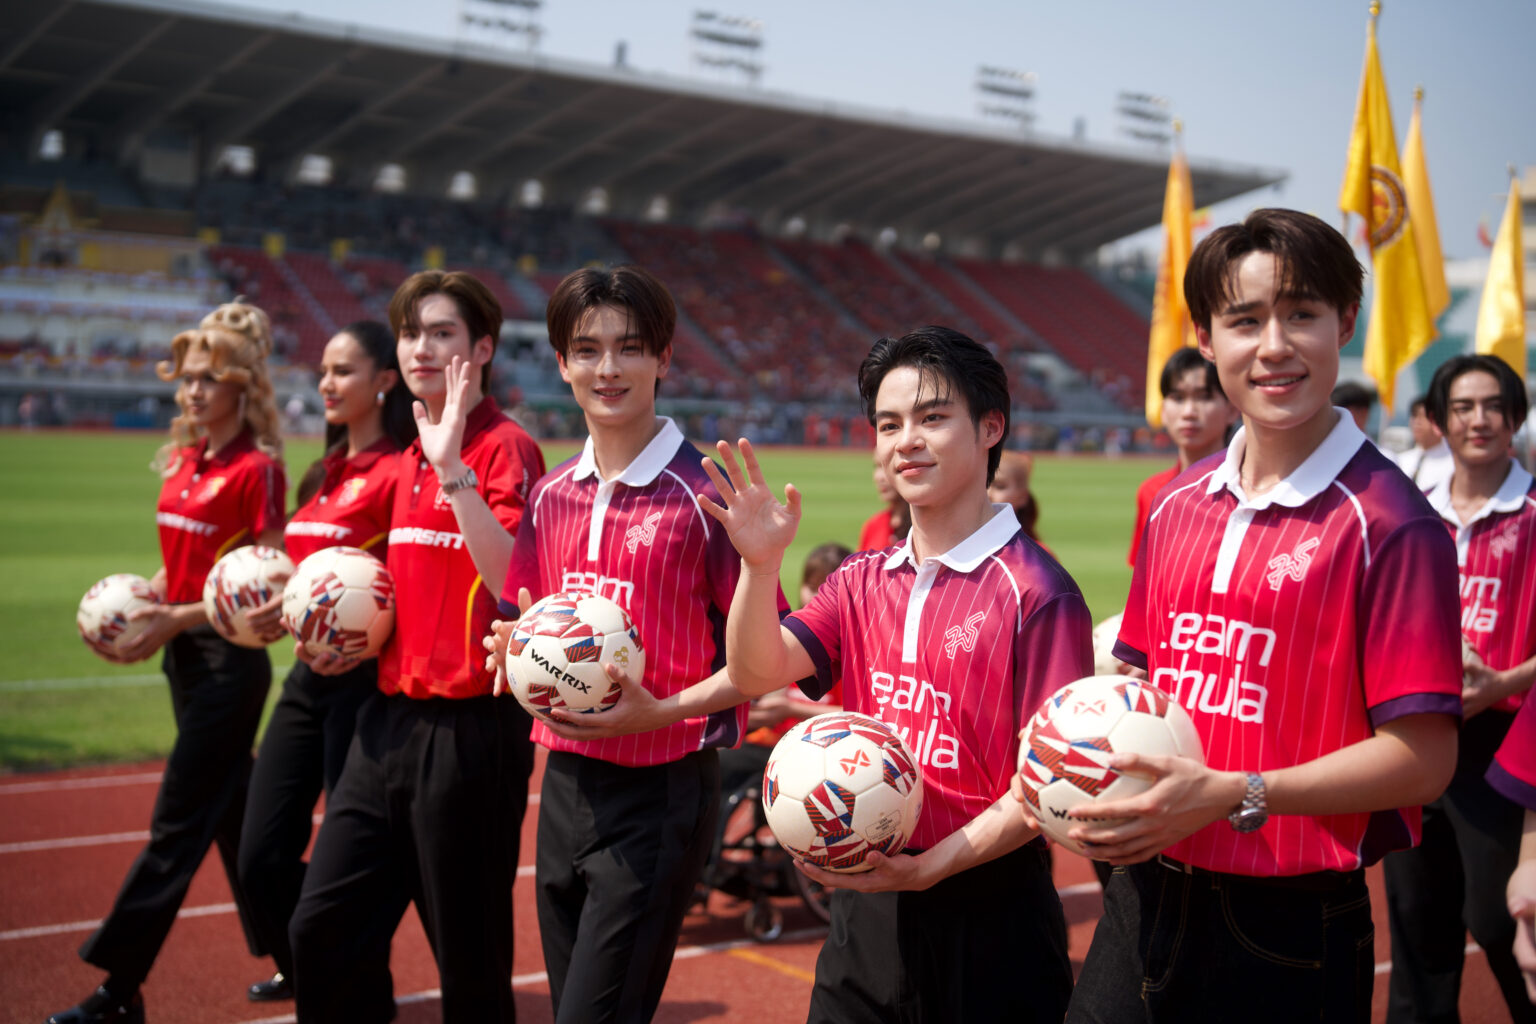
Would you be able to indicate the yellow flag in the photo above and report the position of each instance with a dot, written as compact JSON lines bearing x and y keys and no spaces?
{"x":1426,"y":230}
{"x":1400,"y":325}
{"x":1170,"y":316}
{"x":1501,"y":317}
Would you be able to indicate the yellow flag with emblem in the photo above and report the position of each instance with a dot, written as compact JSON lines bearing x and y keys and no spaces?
{"x":1501,"y":316}
{"x":1170,"y":316}
{"x":1400,"y":325}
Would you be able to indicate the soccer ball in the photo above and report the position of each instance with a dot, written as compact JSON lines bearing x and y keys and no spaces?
{"x":557,"y":650}
{"x":340,"y":601}
{"x":839,"y":786}
{"x":1104,"y":636}
{"x":1065,"y":751}
{"x":103,"y":615}
{"x":243,"y":579}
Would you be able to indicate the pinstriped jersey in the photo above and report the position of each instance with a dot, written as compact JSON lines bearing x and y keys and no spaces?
{"x":1496,"y":553}
{"x":641,"y":540}
{"x":1292,"y":624}
{"x":352,"y":506}
{"x":954,"y":655}
{"x":212,"y":504}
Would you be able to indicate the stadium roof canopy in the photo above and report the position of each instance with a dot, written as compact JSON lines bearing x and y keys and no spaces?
{"x":124,"y":75}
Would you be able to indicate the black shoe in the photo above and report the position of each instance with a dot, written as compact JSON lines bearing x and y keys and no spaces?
{"x":102,"y":1007}
{"x":270,"y":991}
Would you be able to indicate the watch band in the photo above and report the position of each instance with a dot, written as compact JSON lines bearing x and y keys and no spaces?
{"x":469,"y":479}
{"x":1253,"y":812}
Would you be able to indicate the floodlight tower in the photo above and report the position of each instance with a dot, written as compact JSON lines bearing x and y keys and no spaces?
{"x":501,"y":22}
{"x":1145,"y":117}
{"x":1006,"y":94}
{"x":728,"y":43}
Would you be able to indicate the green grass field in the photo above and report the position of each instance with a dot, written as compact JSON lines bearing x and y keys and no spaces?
{"x":75,"y":507}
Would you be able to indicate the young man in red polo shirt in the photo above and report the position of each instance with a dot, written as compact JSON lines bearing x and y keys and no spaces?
{"x":625,"y":822}
{"x":1453,"y":881}
{"x":952,"y":639}
{"x":1294,"y":595}
{"x":430,"y":802}
{"x":1196,"y":415}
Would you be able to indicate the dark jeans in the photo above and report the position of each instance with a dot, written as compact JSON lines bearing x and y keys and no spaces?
{"x":217,"y":693}
{"x":620,"y":851}
{"x":302,"y":750}
{"x":1213,"y":947}
{"x":1453,"y":882}
{"x":988,"y":944}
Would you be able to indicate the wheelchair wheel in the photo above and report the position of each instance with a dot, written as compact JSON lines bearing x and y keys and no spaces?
{"x":814,"y":895}
{"x":764,"y":921}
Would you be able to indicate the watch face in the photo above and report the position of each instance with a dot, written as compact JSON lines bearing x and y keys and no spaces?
{"x":1250,"y":819}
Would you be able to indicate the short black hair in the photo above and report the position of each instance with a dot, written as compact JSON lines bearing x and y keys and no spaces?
{"x":1353,"y":395}
{"x":1417,"y":405}
{"x":947,"y":361}
{"x":1314,"y":261}
{"x":645,"y":300}
{"x":1517,"y":404}
{"x":1180,"y":363}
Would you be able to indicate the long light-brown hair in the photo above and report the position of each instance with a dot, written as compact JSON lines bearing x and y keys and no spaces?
{"x":238,"y":338}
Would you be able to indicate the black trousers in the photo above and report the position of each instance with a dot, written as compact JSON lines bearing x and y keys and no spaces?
{"x":620,"y":851}
{"x":303,"y":750}
{"x":988,"y":944}
{"x":217,"y":693}
{"x":1213,"y":948}
{"x":1452,"y":883}
{"x":428,"y":810}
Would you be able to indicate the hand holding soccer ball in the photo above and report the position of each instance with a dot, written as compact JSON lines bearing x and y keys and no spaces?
{"x":243,"y":595}
{"x":106,"y":618}
{"x":554,"y":657}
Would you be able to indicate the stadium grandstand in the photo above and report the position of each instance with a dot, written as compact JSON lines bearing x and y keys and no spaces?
{"x":159,"y":156}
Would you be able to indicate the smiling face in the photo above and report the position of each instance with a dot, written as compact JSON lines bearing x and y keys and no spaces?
{"x":209,"y":403}
{"x":350,"y":383}
{"x":1477,"y":426}
{"x":1277,"y":354}
{"x":425,"y":351}
{"x":925,"y":440}
{"x":611,"y":375}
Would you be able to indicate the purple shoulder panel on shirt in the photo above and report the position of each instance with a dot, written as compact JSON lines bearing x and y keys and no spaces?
{"x":1416,"y":704}
{"x":818,"y":685}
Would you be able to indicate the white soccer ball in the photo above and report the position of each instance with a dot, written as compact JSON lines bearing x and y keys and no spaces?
{"x":1065,"y":751}
{"x":1104,"y":636}
{"x":240,"y":581}
{"x":557,"y":650}
{"x":839,"y":786}
{"x":340,"y":601}
{"x":103,"y":616}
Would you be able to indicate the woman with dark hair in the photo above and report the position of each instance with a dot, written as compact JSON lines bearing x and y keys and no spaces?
{"x":222,"y":487}
{"x":344,"y":499}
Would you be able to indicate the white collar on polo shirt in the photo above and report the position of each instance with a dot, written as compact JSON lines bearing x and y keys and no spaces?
{"x":972,"y":551}
{"x":1306,"y":481}
{"x":645,"y":468}
{"x":1508,"y":498}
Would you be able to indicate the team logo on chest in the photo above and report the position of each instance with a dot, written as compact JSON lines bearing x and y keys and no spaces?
{"x":1507,"y":540}
{"x":211,"y":489}
{"x":1292,"y":566}
{"x":963,"y":637}
{"x":348,"y":492}
{"x":642,"y":533}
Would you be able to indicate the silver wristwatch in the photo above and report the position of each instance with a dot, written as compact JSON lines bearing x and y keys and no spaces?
{"x":459,"y":483}
{"x":1252,"y":813}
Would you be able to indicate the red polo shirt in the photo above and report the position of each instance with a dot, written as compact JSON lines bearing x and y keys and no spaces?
{"x":352,"y":506}
{"x":442,"y":607}
{"x":211,"y":504}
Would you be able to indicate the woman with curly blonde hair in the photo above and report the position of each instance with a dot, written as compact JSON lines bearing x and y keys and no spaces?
{"x":223,"y":487}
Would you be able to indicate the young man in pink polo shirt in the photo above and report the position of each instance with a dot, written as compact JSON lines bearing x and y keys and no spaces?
{"x":625,"y":822}
{"x":1453,"y":881}
{"x":1296,"y":595}
{"x":952,"y":638}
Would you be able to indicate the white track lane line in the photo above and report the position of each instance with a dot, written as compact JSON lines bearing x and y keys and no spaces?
{"x":81,"y":782}
{"x":103,"y":682}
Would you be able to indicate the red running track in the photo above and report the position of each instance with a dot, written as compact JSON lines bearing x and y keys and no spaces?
{"x":67,"y":838}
